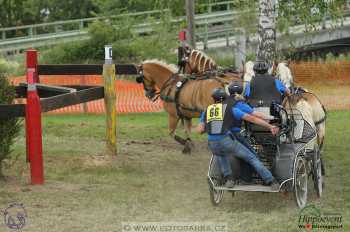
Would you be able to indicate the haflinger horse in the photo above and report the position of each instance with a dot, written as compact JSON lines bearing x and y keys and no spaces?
{"x":307,"y":103}
{"x":197,"y":63}
{"x":183,"y":97}
{"x":284,"y":74}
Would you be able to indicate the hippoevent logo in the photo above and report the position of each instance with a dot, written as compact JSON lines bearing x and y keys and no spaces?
{"x":312,"y":219}
{"x":15,"y":216}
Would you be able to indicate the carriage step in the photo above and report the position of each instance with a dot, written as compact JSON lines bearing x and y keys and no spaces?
{"x":249,"y":188}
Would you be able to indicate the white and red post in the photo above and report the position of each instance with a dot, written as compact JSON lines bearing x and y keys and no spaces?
{"x":33,"y":121}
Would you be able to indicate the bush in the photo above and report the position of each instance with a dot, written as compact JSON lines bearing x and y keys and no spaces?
{"x":9,"y":128}
{"x":127,"y":46}
{"x":8,"y":67}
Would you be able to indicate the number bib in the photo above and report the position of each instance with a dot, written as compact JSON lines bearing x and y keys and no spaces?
{"x":214,"y":113}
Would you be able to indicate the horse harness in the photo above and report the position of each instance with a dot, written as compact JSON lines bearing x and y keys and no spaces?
{"x":178,"y":81}
{"x":299,"y":91}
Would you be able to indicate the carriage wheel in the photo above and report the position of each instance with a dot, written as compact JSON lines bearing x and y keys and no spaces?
{"x":300,"y":181}
{"x":215,"y":195}
{"x":317,"y":173}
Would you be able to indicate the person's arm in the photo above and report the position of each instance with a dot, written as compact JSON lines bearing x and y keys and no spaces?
{"x":201,"y":126}
{"x":282,"y":88}
{"x":239,"y":115}
{"x":246,"y":91}
{"x":251,"y":118}
{"x":249,"y":110}
{"x":262,"y":115}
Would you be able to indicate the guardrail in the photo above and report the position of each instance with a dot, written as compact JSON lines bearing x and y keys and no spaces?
{"x":71,"y":25}
{"x":209,"y":26}
{"x":80,"y":24}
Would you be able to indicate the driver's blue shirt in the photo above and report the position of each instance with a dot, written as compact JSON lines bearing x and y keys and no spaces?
{"x":278,"y":84}
{"x":239,"y":110}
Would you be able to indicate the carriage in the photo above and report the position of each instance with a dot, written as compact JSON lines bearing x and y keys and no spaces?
{"x":292,"y":157}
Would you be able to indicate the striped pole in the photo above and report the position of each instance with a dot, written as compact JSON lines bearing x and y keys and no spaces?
{"x":109,"y":79}
{"x":33,"y":131}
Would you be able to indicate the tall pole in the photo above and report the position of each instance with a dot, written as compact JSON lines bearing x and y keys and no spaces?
{"x":190,"y":23}
{"x":240,"y":50}
{"x":33,"y":122}
{"x":110,"y":101}
{"x":267,"y":31}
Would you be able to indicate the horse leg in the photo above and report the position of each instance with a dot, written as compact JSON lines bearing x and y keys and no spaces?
{"x":188,"y":144}
{"x":173,"y":121}
{"x":321,"y":130}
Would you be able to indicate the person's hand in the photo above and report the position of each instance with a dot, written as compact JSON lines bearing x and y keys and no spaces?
{"x":274,"y":130}
{"x":201,"y":128}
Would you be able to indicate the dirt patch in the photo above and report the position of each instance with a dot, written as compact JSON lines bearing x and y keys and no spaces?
{"x":97,"y":160}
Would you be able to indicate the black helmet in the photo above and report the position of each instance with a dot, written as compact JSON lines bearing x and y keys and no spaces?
{"x":235,"y":87}
{"x":219,"y":94}
{"x":260,"y":67}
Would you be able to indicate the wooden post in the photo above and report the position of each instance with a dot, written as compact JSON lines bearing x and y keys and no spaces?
{"x":110,"y":101}
{"x":191,"y":23}
{"x":33,"y":132}
{"x":33,"y":121}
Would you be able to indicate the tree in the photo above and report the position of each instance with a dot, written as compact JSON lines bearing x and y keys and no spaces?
{"x":266,"y":50}
{"x":310,"y":13}
{"x":9,"y":128}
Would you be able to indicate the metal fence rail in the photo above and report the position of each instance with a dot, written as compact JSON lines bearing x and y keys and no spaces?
{"x":212,"y":25}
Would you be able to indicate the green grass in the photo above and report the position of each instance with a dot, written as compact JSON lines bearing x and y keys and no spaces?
{"x":151,"y":180}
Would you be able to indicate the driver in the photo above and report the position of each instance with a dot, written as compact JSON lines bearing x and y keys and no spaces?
{"x":218,"y":120}
{"x":264,"y":88}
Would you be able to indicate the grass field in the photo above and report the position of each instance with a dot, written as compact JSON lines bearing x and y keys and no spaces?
{"x":151,"y":180}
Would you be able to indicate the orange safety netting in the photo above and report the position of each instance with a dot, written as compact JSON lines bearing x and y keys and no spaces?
{"x":131,"y":99}
{"x":316,"y":72}
{"x":130,"y":95}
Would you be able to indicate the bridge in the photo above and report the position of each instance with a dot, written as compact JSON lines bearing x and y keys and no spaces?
{"x":214,"y":30}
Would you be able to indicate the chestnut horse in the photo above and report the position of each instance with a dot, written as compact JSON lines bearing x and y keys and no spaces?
{"x":198,"y":64}
{"x":161,"y":79}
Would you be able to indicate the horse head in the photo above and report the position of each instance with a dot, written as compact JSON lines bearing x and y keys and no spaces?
{"x":153,"y":74}
{"x":284,"y":74}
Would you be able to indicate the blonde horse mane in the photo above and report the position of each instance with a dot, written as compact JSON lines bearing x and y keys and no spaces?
{"x":201,"y":61}
{"x":248,"y":71}
{"x":284,"y":74}
{"x":172,"y":68}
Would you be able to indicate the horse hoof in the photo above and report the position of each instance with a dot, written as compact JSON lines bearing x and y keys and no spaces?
{"x":186,"y":150}
{"x":190,"y":142}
